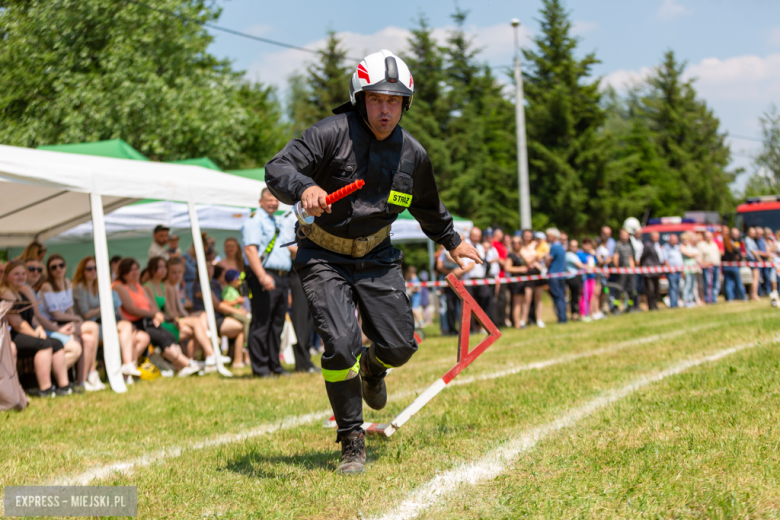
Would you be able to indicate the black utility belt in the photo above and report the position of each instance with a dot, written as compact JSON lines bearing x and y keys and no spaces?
{"x":277,"y":272}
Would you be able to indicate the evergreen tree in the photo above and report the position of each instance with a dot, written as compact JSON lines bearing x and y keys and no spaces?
{"x":325,"y":86}
{"x":87,"y":70}
{"x":686,"y":133}
{"x":481,"y":183}
{"x":567,"y":150}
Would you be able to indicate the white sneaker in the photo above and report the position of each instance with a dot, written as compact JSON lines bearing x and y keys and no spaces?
{"x":211,"y":360}
{"x":89,"y":387}
{"x":540,"y":324}
{"x":129,"y":369}
{"x":167,"y":373}
{"x":94,"y":379}
{"x":129,"y":380}
{"x":188,"y":371}
{"x":522,"y":324}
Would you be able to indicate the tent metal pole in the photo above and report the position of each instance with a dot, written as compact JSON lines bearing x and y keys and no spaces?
{"x":112,"y":356}
{"x":205,"y":288}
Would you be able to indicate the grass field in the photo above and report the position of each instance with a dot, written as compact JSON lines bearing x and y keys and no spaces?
{"x":670,"y":414}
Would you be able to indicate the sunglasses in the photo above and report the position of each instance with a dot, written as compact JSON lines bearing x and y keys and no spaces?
{"x":34,"y":269}
{"x":57,"y":266}
{"x":90,"y":268}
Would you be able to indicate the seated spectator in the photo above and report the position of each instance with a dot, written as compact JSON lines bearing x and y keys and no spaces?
{"x":183,"y":327}
{"x":114,"y":265}
{"x":57,"y":296}
{"x":35,"y":274}
{"x":233,"y":257}
{"x":173,"y":246}
{"x":226,"y":325}
{"x":144,"y":314}
{"x":85,"y":295}
{"x":33,"y":251}
{"x":2,"y":268}
{"x":159,"y":245}
{"x":232,"y":297}
{"x":30,"y":338}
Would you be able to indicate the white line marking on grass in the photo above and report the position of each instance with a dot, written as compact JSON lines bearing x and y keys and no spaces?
{"x":127,"y":467}
{"x":496,"y":461}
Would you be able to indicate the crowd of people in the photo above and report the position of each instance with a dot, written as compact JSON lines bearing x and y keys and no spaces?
{"x":696,"y":278}
{"x":56,"y":328}
{"x":55,"y":322}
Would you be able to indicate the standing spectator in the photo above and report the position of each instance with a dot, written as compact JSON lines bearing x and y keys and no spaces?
{"x":144,"y":314}
{"x":159,"y":245}
{"x":752,"y":253}
{"x":57,"y":295}
{"x":542,"y":246}
{"x":446,"y":265}
{"x":604,"y":259}
{"x":588,"y":259}
{"x":652,"y":256}
{"x":425,"y":299}
{"x":607,"y":241}
{"x":482,"y":294}
{"x":764,"y":286}
{"x":414,"y":296}
{"x":732,"y":252}
{"x":502,"y":295}
{"x":533,"y":288}
{"x":674,"y":258}
{"x":691,"y":262}
{"x":710,"y":259}
{"x":268,"y":275}
{"x":624,"y":257}
{"x":303,"y":324}
{"x":515,"y":265}
{"x":573,"y":279}
{"x":173,"y":247}
{"x":30,"y":338}
{"x":493,"y":268}
{"x":771,"y":256}
{"x":556,"y":264}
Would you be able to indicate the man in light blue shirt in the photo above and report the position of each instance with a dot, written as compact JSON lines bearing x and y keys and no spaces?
{"x":267,"y":274}
{"x":674,"y":258}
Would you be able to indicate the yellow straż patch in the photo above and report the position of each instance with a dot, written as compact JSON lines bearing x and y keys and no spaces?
{"x":399,"y":199}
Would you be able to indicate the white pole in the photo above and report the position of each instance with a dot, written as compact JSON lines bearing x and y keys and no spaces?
{"x":522,"y":153}
{"x":205,"y":288}
{"x":112,"y":356}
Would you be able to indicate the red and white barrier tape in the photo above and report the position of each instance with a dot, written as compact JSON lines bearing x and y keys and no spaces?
{"x":593,"y":270}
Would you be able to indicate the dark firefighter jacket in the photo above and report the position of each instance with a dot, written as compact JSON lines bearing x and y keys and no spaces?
{"x":342,"y":149}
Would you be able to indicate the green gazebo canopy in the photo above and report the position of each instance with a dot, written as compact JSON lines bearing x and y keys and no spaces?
{"x":114,"y":148}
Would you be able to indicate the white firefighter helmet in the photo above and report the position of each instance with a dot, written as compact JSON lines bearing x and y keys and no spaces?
{"x":632,"y":225}
{"x":382,"y":72}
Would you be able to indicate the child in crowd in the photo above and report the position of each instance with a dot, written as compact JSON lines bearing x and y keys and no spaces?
{"x":232,"y":297}
{"x":588,"y":259}
{"x":173,"y":246}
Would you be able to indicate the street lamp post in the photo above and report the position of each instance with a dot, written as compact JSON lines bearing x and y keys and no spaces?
{"x":522,"y":153}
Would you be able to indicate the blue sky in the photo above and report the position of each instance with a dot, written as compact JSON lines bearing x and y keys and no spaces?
{"x":732,"y":48}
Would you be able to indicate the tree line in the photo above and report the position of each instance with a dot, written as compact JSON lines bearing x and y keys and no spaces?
{"x":80,"y":70}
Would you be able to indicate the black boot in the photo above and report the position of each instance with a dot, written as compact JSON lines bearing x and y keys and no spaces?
{"x":353,"y":453}
{"x":372,"y":375}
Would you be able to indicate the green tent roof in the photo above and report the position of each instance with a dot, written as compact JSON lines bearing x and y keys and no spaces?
{"x":256,"y":174}
{"x":205,"y":162}
{"x":115,"y":149}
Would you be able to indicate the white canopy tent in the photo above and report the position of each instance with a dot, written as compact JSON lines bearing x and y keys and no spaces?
{"x":44,"y":193}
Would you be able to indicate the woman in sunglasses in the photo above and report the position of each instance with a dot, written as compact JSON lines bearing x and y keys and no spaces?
{"x":30,"y":338}
{"x":85,"y":295}
{"x":35,"y":277}
{"x":57,"y":296}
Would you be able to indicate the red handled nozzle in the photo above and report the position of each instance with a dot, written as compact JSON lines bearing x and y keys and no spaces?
{"x":305,"y":219}
{"x":346,"y":190}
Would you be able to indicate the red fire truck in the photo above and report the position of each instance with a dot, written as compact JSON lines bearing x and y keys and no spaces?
{"x":759,"y":211}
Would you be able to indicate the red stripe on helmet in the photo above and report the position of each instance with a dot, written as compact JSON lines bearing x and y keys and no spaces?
{"x":362,"y":73}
